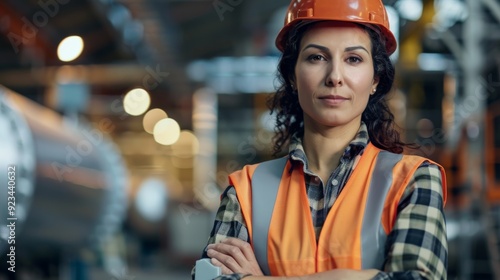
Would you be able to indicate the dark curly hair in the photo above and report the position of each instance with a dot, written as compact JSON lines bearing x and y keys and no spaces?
{"x":377,"y":116}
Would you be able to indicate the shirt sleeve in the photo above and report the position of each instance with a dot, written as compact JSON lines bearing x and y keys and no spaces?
{"x":228,"y":222}
{"x":417,"y":247}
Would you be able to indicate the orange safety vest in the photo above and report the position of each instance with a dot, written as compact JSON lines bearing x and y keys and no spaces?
{"x":275,"y":207}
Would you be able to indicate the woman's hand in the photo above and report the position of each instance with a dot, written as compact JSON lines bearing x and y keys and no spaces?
{"x":234,"y":255}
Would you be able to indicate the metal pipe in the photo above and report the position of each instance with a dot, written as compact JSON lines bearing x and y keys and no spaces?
{"x":78,"y":179}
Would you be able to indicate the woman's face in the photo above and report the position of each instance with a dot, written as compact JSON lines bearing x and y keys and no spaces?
{"x":334,"y":74}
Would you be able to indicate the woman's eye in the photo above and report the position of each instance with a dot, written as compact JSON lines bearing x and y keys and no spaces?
{"x":316,"y":57}
{"x":354,"y":59}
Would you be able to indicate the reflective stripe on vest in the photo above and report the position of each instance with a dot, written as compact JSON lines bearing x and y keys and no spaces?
{"x":265,"y":184}
{"x":373,"y":236}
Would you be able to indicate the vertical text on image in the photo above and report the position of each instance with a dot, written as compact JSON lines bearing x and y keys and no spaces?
{"x":11,"y":216}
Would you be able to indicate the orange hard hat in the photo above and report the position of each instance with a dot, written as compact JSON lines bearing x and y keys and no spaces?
{"x":357,"y":11}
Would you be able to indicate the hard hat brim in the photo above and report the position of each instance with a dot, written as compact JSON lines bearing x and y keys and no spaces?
{"x":390,"y":40}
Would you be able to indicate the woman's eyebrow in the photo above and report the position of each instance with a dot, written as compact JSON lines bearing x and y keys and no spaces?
{"x":325,"y":49}
{"x":349,"y":49}
{"x":322,"y":48}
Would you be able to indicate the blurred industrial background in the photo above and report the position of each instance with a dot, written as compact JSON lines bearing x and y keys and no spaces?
{"x":121,"y":119}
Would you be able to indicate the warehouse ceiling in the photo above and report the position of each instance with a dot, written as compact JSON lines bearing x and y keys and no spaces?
{"x":166,"y":34}
{"x":37,"y":28}
{"x":163,"y":34}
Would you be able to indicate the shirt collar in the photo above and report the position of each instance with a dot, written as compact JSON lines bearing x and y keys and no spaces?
{"x":355,"y":147}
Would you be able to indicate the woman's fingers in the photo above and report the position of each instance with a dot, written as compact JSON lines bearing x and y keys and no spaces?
{"x":229,"y":255}
{"x":243,"y":246}
{"x":235,"y":255}
{"x":223,"y":268}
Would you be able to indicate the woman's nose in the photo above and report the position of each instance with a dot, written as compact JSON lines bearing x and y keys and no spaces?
{"x":334,"y":77}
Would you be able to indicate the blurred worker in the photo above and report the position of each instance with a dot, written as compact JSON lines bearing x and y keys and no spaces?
{"x":345,"y":203}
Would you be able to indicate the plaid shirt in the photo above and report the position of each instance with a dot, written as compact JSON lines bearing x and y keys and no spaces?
{"x":416,"y":248}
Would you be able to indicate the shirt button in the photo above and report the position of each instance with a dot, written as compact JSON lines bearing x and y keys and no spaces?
{"x":335,"y":182}
{"x":316,"y":180}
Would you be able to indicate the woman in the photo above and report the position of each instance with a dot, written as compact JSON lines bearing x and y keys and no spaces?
{"x":345,"y":203}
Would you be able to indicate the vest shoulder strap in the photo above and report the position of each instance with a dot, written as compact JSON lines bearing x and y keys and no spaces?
{"x":265,"y":184}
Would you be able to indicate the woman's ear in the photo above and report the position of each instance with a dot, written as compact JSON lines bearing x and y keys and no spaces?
{"x":293,"y":84}
{"x":374,"y":86}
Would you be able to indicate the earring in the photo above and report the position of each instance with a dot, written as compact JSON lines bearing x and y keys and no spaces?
{"x":374,"y":90}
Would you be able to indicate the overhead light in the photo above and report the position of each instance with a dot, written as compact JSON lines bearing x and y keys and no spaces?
{"x":136,"y":102}
{"x":70,"y":48}
{"x":166,"y":131}
{"x":151,"y":118}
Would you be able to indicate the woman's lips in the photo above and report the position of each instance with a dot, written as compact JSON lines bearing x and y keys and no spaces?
{"x":333,"y":99}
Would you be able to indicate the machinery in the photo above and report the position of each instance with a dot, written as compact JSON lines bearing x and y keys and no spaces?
{"x":69,"y":185}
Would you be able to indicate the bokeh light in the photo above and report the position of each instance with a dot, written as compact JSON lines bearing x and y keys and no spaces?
{"x":187,"y":146}
{"x":151,"y":118}
{"x":166,"y":131}
{"x":70,"y":48}
{"x":425,"y":128}
{"x":136,"y":102}
{"x":151,"y":199}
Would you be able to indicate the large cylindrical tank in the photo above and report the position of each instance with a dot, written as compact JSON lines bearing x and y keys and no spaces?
{"x":17,"y":163}
{"x":70,"y":180}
